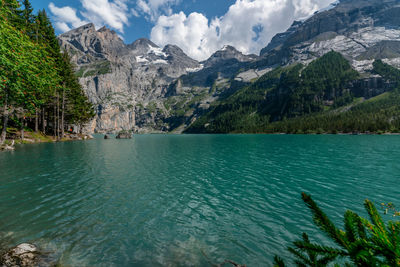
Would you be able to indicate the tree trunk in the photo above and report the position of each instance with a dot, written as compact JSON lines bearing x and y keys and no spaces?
{"x":23,"y":128}
{"x":5,"y":121}
{"x":62,"y":115}
{"x":36,"y":120}
{"x":43,"y":121}
{"x":55,"y":122}
{"x":58,"y":116}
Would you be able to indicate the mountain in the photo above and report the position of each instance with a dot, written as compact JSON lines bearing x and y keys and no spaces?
{"x":306,"y":85}
{"x":358,"y":29}
{"x":142,"y":86}
{"x":147,"y":88}
{"x":226,"y":54}
{"x":123,"y":81}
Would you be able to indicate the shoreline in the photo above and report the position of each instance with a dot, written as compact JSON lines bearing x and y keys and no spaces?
{"x":38,"y":138}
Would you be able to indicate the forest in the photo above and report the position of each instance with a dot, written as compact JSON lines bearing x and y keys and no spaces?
{"x":317,"y":98}
{"x":39,"y":90}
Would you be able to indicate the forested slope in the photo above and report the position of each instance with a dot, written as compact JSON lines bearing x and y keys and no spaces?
{"x":319,"y":97}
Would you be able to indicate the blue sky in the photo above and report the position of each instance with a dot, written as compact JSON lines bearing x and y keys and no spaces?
{"x":199,"y":27}
{"x":140,"y":26}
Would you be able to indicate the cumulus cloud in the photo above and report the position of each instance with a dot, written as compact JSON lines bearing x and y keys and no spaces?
{"x":113,"y":13}
{"x":152,"y":9}
{"x":100,"y":12}
{"x":65,"y":17}
{"x":248,"y":25}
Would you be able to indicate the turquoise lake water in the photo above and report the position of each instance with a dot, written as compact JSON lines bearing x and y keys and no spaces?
{"x":187,"y":200}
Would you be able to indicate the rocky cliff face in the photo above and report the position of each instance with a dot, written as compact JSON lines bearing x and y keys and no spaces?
{"x":362,"y":30}
{"x":147,"y":88}
{"x":123,"y":81}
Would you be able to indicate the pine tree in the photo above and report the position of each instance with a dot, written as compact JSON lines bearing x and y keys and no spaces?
{"x":23,"y":68}
{"x":363,"y":242}
{"x":28,"y":19}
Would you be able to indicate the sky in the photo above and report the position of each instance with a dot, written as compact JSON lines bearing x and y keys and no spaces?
{"x":199,"y":27}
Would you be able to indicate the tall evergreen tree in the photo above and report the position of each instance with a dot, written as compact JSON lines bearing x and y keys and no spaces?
{"x":24,"y":68}
{"x":28,"y":19}
{"x":34,"y":75}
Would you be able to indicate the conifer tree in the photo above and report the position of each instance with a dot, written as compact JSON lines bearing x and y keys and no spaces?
{"x":34,"y":74}
{"x":362,"y":242}
{"x":28,"y":19}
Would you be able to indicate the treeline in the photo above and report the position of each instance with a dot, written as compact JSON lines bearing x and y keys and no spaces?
{"x":38,"y":86}
{"x":312,"y":99}
{"x":376,"y":115}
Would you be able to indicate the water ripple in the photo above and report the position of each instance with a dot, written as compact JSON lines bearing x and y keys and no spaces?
{"x":187,"y":200}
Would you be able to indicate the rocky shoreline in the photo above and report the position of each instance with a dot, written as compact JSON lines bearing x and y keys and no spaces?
{"x":22,"y":255}
{"x":26,"y":255}
{"x":35,"y":138}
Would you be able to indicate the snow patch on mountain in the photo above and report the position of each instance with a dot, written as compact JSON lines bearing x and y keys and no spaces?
{"x":160,"y":61}
{"x":141,"y":59}
{"x":195,"y":69}
{"x":156,"y":51}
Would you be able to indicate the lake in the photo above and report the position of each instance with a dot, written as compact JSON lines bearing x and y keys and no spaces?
{"x":187,"y":200}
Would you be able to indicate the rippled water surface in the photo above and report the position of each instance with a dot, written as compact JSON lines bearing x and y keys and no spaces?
{"x":165,"y":200}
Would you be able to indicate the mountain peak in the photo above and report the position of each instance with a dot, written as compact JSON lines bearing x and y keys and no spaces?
{"x":229,"y":48}
{"x":142,"y":46}
{"x":87,"y":28}
{"x":228,"y":52}
{"x":143,"y":42}
{"x":105,"y":29}
{"x":170,"y":48}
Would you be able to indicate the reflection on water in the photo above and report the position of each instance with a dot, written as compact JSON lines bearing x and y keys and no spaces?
{"x":165,"y":200}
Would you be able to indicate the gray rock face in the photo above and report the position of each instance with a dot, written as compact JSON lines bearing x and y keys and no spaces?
{"x":280,"y":38}
{"x":362,"y":30}
{"x":23,"y":255}
{"x":370,"y":87}
{"x":122,"y":79}
{"x":228,"y":53}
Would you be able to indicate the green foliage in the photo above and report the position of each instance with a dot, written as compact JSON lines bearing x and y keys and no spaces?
{"x":386,"y":71}
{"x":378,"y":114}
{"x":283,"y":93}
{"x":362,"y":242}
{"x":25,"y":68}
{"x":34,"y":74}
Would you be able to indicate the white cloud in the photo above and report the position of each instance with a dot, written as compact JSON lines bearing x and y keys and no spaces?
{"x":112,"y":13}
{"x":135,"y":13}
{"x":152,"y":9}
{"x":65,"y":17}
{"x":100,"y":12}
{"x":248,"y":25}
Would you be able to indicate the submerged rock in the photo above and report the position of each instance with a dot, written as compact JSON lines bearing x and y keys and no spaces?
{"x":124,"y":135}
{"x":23,"y":255}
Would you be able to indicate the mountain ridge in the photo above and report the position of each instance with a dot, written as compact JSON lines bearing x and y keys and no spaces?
{"x":143,"y":87}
